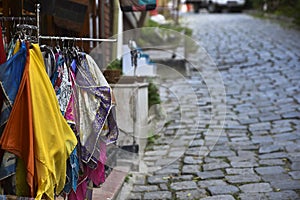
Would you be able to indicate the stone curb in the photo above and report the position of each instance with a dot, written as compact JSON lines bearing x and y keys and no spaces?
{"x":113,"y":184}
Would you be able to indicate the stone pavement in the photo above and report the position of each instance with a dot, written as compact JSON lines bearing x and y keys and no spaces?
{"x":256,"y":154}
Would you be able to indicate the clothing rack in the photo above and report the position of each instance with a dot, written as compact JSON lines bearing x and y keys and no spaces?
{"x":64,"y":38}
{"x":76,"y":39}
{"x":28,"y":19}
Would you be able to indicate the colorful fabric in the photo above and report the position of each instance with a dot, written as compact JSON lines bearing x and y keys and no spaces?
{"x":70,"y":112}
{"x":17,"y":137}
{"x":96,"y":176}
{"x":46,"y":151}
{"x":73,"y":161}
{"x":11,"y":74}
{"x":72,"y":172}
{"x":93,"y":105}
{"x":62,"y":84}
{"x":55,"y":143}
{"x":113,"y":130}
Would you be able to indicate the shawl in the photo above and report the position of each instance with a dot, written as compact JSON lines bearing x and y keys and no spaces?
{"x":93,"y":105}
{"x":53,"y":142}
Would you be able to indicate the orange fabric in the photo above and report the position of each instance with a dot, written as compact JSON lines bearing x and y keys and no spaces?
{"x":17,"y":136}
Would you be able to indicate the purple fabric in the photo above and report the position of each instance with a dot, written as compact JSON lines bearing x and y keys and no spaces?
{"x":90,"y":94}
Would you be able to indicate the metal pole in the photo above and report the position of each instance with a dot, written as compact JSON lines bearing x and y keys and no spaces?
{"x":77,"y":39}
{"x":38,"y":22}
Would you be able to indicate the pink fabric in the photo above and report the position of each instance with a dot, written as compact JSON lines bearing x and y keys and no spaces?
{"x":80,"y":191}
{"x":69,"y":114}
{"x":97,"y":176}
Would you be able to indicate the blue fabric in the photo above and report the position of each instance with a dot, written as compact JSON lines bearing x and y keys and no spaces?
{"x":73,"y":66}
{"x":11,"y":73}
{"x":145,"y":2}
{"x":72,"y":172}
{"x":8,"y":165}
{"x":59,"y":62}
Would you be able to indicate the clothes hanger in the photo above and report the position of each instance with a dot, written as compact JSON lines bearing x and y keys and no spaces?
{"x":48,"y":54}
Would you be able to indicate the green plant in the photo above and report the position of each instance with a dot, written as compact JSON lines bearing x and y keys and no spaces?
{"x":151,"y":139}
{"x":179,"y":28}
{"x":116,"y":65}
{"x":127,"y":177}
{"x":289,"y":8}
{"x":153,"y":95}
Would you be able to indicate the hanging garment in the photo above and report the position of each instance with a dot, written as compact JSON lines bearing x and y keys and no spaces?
{"x":63,"y":87}
{"x":11,"y":74}
{"x":10,"y":78}
{"x":72,"y":173}
{"x":113,"y":130}
{"x":70,"y":112}
{"x":17,"y":136}
{"x":2,"y":50}
{"x":53,"y":139}
{"x":96,"y":176}
{"x":93,"y":105}
{"x":62,"y":84}
{"x":55,"y":143}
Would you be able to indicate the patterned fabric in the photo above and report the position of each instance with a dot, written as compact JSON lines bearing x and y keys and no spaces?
{"x":70,"y":112}
{"x":72,"y":172}
{"x":90,"y":177}
{"x":73,"y":161}
{"x":93,"y":104}
{"x":62,"y":84}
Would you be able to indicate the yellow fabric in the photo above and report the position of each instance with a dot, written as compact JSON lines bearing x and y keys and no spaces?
{"x":53,"y":138}
{"x":17,"y":47}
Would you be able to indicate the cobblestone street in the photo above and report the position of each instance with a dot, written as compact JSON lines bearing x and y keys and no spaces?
{"x":256,"y":154}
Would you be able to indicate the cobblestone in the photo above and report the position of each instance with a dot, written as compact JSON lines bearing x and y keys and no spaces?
{"x":243,"y":178}
{"x":256,"y":188}
{"x":269,"y":170}
{"x":256,"y":154}
{"x":219,"y":197}
{"x":191,"y":194}
{"x":224,"y":189}
{"x":287,"y":194}
{"x":210,"y":174}
{"x":253,"y":196}
{"x":184,"y":185}
{"x":158,"y":195}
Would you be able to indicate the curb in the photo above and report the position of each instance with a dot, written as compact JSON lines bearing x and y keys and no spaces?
{"x":113,"y":184}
